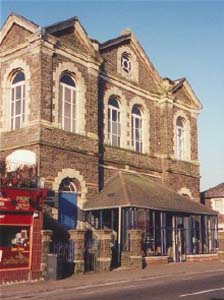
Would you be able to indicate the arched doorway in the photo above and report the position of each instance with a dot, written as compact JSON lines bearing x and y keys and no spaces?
{"x":67,"y":209}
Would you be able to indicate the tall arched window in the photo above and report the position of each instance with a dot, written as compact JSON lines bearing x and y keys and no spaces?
{"x":67,"y":115}
{"x":17,"y":109}
{"x":114,"y":130}
{"x":136,"y":126}
{"x":180,"y":140}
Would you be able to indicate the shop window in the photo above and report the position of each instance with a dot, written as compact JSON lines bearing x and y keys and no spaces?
{"x":14,"y":246}
{"x":67,"y":113}
{"x":17,"y":109}
{"x":114,"y":125}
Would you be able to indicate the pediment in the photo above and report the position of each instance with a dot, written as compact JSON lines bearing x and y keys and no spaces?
{"x":72,"y":35}
{"x":148,"y":77}
{"x":16,"y":29}
{"x":185,"y":95}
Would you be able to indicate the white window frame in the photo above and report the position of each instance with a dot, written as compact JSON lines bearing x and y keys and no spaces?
{"x":135,"y":140}
{"x":73,"y":119}
{"x":14,"y":101}
{"x":180,"y":140}
{"x":112,"y":123}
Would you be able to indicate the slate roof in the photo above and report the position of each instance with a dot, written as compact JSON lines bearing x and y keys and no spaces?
{"x":132,"y":190}
{"x":216,"y":191}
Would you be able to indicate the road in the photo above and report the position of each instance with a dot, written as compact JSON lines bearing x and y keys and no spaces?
{"x":208,"y":285}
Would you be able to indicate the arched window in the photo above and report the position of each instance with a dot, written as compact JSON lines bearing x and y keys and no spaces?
{"x":67,"y":115}
{"x":114,"y":130}
{"x":180,"y":140}
{"x":136,"y":126}
{"x":17,"y":108}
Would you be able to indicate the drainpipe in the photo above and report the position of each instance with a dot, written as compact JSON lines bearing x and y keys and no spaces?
{"x":119,"y":234}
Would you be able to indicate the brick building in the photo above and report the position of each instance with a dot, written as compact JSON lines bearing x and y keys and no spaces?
{"x":214,"y":198}
{"x":100,"y":120}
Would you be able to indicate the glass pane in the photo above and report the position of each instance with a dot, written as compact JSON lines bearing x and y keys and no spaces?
{"x":18,"y":92}
{"x":18,"y":107}
{"x":67,"y":95}
{"x":179,"y":122}
{"x":136,"y":110}
{"x":114,"y":115}
{"x":67,"y":80}
{"x":73,"y":129}
{"x":13,"y":92}
{"x":17,"y":122}
{"x":114,"y":128}
{"x":24,"y":91}
{"x":67,"y":108}
{"x":12,"y":109}
{"x":67,"y":124}
{"x":114,"y":140}
{"x":113,"y":102}
{"x":19,"y":77}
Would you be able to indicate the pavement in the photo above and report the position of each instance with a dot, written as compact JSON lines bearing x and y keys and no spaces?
{"x":89,"y":280}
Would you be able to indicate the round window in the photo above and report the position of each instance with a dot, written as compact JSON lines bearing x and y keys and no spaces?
{"x":125,"y":62}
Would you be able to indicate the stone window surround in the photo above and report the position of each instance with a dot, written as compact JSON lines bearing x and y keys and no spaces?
{"x":187,"y":136}
{"x":125,"y":111}
{"x":145,"y":123}
{"x":185,"y":191}
{"x":133,"y":74}
{"x":70,"y":68}
{"x":72,"y":174}
{"x":16,"y":65}
{"x":123,"y":115}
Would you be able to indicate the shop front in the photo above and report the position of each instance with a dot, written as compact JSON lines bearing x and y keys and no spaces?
{"x":173,"y":226}
{"x":21,"y":220}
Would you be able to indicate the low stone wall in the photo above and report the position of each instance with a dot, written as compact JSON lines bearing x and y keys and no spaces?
{"x":152,"y":260}
{"x":202,"y":257}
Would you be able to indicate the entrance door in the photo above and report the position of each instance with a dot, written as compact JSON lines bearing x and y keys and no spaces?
{"x":67,"y":210}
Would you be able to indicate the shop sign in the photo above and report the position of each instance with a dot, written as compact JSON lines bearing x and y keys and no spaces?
{"x":21,"y":200}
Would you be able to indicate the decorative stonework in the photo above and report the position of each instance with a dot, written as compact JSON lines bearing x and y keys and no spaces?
{"x":187,"y":135}
{"x":16,"y":65}
{"x":72,"y":174}
{"x":145,"y":123}
{"x":185,"y":192}
{"x":123,"y":116}
{"x":133,"y":73}
{"x":80,"y":95}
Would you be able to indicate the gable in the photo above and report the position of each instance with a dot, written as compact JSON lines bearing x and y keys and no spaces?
{"x":15,"y":36}
{"x":142,"y":71}
{"x":72,"y":35}
{"x":184,"y":95}
{"x":70,"y":38}
{"x":19,"y":29}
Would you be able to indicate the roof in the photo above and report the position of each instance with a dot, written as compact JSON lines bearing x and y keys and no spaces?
{"x":216,"y":191}
{"x":132,"y":190}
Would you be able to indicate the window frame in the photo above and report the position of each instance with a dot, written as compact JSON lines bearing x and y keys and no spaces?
{"x":180,"y":139}
{"x":110,"y":134}
{"x":134,"y":140}
{"x":14,"y":102}
{"x":72,"y":105}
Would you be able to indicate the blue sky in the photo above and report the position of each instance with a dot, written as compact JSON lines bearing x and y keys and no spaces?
{"x":181,"y":38}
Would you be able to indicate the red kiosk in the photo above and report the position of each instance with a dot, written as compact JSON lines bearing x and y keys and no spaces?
{"x":21,"y":221}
